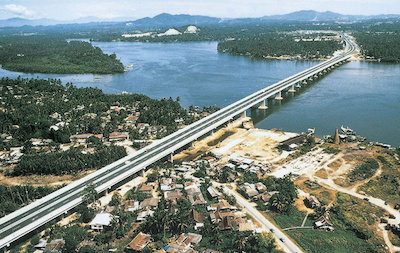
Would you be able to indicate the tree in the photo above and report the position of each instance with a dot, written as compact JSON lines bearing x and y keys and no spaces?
{"x":115,"y":199}
{"x":90,"y":196}
{"x":264,"y":242}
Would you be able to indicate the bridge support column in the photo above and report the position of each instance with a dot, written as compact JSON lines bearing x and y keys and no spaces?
{"x":243,"y":114}
{"x":263,"y":105}
{"x":279,"y":96}
{"x":292,"y":89}
{"x":305,"y":82}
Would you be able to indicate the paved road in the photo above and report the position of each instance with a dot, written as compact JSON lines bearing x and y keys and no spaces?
{"x":26,"y":219}
{"x":281,"y":238}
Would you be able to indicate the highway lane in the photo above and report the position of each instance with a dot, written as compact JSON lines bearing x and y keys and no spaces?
{"x":180,"y":138}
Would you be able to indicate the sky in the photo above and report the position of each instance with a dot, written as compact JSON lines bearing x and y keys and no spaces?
{"x":134,"y":9}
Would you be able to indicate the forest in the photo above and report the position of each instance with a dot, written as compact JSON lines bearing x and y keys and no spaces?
{"x":48,"y":54}
{"x":275,"y":45}
{"x":68,"y":162}
{"x":382,"y":46}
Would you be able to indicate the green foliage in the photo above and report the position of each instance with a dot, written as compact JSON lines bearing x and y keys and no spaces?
{"x":133,"y":194}
{"x":382,"y":45}
{"x":355,"y":215}
{"x":68,"y":162}
{"x":276,"y":44}
{"x":13,"y":197}
{"x":152,"y":177}
{"x":115,"y":199}
{"x":387,"y":185}
{"x":44,"y":54}
{"x":364,"y":171}
{"x":339,"y":241}
{"x":330,"y":150}
{"x":283,"y":200}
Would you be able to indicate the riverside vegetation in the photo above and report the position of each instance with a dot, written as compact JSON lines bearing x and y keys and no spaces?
{"x":46,"y":54}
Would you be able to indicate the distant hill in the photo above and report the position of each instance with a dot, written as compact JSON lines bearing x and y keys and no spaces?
{"x":168,"y":20}
{"x":15,"y":22}
{"x":308,"y":15}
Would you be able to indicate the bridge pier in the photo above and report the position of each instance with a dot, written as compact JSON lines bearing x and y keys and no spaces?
{"x":305,"y":82}
{"x":243,"y":114}
{"x":292,"y":89}
{"x":263,"y":105}
{"x":279,"y":96}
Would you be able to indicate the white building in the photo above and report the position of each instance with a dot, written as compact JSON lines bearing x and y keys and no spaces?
{"x":101,"y":220}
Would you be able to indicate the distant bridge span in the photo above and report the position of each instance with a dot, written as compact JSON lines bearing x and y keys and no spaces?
{"x":30,"y":217}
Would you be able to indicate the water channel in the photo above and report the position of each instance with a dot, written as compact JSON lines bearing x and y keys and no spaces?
{"x":362,"y":95}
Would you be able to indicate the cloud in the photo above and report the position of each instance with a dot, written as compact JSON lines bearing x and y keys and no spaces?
{"x":18,"y":10}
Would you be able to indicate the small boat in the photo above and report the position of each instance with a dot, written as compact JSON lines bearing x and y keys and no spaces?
{"x":347,"y":130}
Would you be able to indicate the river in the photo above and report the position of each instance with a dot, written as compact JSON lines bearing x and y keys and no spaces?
{"x":362,"y":95}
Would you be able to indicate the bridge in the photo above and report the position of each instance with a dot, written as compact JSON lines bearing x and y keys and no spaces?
{"x":30,"y":217}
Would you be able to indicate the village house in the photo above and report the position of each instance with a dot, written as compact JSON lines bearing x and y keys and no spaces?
{"x":149,"y":203}
{"x":40,"y":142}
{"x":118,"y":136}
{"x":55,"y":246}
{"x":101,"y":221}
{"x":173,"y":196}
{"x":79,"y":138}
{"x":312,"y":201}
{"x":198,"y":218}
{"x":260,"y":187}
{"x":183,"y":244}
{"x":244,"y":225}
{"x":214,"y":193}
{"x":146,"y":188}
{"x":41,"y":245}
{"x":166,"y":184}
{"x":323,"y":223}
{"x":138,"y":243}
{"x":249,"y":190}
{"x":130,"y":205}
{"x":131,"y":119}
{"x":194,"y":194}
{"x":144,"y":214}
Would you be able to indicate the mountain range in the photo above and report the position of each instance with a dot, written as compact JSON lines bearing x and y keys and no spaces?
{"x":165,"y":19}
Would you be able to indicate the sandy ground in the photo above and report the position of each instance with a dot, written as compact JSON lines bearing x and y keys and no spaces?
{"x":253,"y":143}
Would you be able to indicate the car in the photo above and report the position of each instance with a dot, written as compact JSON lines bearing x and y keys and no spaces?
{"x":391,"y":216}
{"x":272,"y":230}
{"x":282,"y":239}
{"x":366,"y":199}
{"x":386,"y":203}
